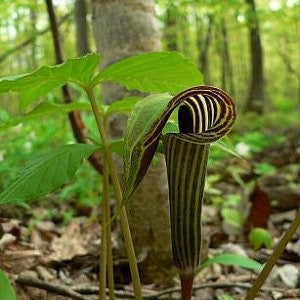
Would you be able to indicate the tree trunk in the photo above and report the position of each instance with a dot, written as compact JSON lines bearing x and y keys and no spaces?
{"x":256,"y":97}
{"x":82,"y":42}
{"x":124,"y":28}
{"x":203,"y":48}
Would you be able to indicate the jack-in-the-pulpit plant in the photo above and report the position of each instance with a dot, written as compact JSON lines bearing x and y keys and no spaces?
{"x":205,"y":115}
{"x":158,"y":72}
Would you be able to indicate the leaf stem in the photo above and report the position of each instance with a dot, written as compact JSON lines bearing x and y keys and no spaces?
{"x":110,"y":269}
{"x":106,"y":208}
{"x":104,"y":238}
{"x":118,"y":194}
{"x":273,"y":259}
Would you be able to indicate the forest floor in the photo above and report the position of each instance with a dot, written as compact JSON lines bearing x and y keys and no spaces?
{"x":50,"y":259}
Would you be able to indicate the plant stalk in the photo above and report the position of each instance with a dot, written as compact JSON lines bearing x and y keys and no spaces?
{"x":110,"y":266}
{"x":104,"y":238}
{"x":186,"y":286}
{"x":109,"y":256}
{"x":118,"y":194}
{"x":273,"y":259}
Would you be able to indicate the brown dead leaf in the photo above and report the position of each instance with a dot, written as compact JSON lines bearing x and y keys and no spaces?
{"x":70,"y":244}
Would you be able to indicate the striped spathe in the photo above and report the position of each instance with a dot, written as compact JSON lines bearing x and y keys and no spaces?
{"x":205,"y":115}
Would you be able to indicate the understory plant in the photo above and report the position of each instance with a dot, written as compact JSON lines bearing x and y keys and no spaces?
{"x":205,"y":114}
{"x":154,"y":72}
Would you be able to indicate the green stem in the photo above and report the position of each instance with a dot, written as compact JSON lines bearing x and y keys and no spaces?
{"x":110,"y":267}
{"x":104,"y":239}
{"x":109,"y":256}
{"x":273,"y":259}
{"x":118,"y":194}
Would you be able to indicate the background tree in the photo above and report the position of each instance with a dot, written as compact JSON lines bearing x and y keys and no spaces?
{"x":256,"y":97}
{"x":203,"y":45}
{"x":227,"y":72}
{"x":136,"y":31}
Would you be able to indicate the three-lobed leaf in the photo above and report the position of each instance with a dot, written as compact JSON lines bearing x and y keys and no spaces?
{"x":41,"y":81}
{"x":6,"y":290}
{"x":153,"y":72}
{"x":46,"y":173}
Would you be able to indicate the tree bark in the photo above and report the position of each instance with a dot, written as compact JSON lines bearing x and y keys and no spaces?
{"x":82,"y":42}
{"x":124,"y":28}
{"x":256,"y":96}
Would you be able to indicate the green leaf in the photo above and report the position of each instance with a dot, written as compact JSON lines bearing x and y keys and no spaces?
{"x":46,"y":173}
{"x":153,"y":72}
{"x":232,"y":217}
{"x":123,"y":106}
{"x":234,"y":260}
{"x":233,"y":200}
{"x":6,"y":290}
{"x":226,"y":297}
{"x":38,"y":83}
{"x":260,"y":237}
{"x":140,"y":123}
{"x":264,"y":169}
{"x":45,"y":109}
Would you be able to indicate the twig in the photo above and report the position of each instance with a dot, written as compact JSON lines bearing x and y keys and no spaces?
{"x":50,"y":287}
{"x":94,"y":290}
{"x":75,"y":292}
{"x":88,"y":290}
{"x":216,"y":285}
